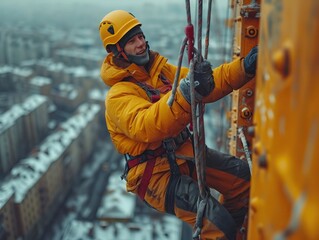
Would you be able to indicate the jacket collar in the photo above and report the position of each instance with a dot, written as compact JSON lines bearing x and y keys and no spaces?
{"x":115,"y":69}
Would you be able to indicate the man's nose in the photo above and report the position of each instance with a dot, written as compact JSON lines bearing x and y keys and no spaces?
{"x":140,"y":42}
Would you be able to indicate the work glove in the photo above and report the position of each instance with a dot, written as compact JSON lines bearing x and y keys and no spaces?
{"x":250,"y":61}
{"x":203,"y":79}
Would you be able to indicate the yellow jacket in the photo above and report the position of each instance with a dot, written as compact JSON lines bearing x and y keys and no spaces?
{"x":135,"y":124}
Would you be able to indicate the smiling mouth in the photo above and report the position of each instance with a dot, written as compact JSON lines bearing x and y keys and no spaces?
{"x":141,"y":52}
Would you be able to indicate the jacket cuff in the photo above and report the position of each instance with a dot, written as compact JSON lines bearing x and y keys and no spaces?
{"x":179,"y":98}
{"x":248,"y":76}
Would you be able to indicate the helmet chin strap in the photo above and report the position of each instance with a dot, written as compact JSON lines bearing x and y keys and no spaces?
{"x":121,"y":52}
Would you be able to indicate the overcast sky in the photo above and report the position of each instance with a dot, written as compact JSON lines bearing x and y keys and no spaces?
{"x":46,"y":11}
{"x":93,"y":10}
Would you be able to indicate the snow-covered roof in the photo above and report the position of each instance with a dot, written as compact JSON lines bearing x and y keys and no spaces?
{"x":117,"y":203}
{"x":5,"y":69}
{"x":77,"y":53}
{"x":28,"y":171}
{"x":165,"y":228}
{"x":24,"y":72}
{"x":98,"y":94}
{"x":78,"y":71}
{"x":8,"y":118}
{"x":40,"y":81}
{"x":6,"y":192}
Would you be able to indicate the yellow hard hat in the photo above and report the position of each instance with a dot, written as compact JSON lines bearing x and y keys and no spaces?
{"x":115,"y":25}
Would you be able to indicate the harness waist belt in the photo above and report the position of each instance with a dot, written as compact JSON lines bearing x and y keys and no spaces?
{"x":147,"y":155}
{"x":153,"y":154}
{"x":150,"y":156}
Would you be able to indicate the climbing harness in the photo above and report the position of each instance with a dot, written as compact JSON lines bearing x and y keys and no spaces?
{"x":153,"y":94}
{"x":167,"y":149}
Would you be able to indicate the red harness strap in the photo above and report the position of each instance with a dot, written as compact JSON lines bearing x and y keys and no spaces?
{"x":146,"y":178}
{"x":150,"y":157}
{"x":154,"y":94}
{"x":146,"y":156}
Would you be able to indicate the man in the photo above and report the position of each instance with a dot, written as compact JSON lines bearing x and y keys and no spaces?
{"x":154,"y":137}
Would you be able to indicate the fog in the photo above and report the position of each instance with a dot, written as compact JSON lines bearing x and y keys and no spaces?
{"x":86,"y":13}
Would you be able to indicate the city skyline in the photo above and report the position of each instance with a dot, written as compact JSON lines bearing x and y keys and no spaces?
{"x":54,"y":50}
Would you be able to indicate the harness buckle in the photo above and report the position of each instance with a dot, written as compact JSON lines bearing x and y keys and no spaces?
{"x":169,"y":145}
{"x":180,"y":138}
{"x":126,"y":168}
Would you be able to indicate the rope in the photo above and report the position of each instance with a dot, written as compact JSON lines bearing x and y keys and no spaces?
{"x":208,"y":28}
{"x":199,"y":131}
{"x":174,"y":87}
{"x":197,"y":116}
{"x":245,"y":146}
{"x":189,"y":30}
{"x":199,"y":29}
{"x":200,"y":160}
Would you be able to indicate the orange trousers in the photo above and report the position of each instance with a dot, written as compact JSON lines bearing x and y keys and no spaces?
{"x":227,"y":174}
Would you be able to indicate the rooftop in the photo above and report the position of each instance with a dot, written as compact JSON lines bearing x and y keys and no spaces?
{"x":29,"y":170}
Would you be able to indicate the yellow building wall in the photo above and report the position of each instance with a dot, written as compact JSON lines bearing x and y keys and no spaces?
{"x":284,"y":194}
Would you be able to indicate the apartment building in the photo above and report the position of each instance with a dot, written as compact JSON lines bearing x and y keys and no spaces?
{"x":21,"y":78}
{"x":23,"y":44}
{"x":40,"y":181}
{"x":8,"y":222}
{"x":40,"y":85}
{"x":22,"y":127}
{"x":79,"y":57}
{"x":5,"y":75}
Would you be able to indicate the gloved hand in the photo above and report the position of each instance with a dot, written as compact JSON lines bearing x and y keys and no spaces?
{"x":203,"y":79}
{"x":250,"y":61}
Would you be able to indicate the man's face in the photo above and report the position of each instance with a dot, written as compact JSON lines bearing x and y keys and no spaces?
{"x":136,"y":45}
